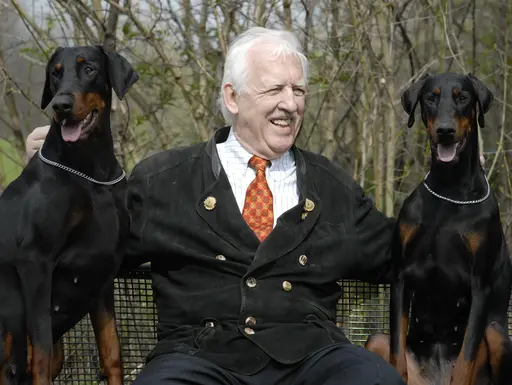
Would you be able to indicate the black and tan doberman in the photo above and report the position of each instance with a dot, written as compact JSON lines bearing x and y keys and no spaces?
{"x":61,"y":222}
{"x":451,"y":268}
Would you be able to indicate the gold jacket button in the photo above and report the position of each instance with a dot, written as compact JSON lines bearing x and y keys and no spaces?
{"x":287,"y":286}
{"x":210,"y":203}
{"x":309,"y":205}
{"x":220,"y":257}
{"x":303,"y":260}
{"x":250,"y":321}
{"x":249,"y":331}
{"x":251,"y":282}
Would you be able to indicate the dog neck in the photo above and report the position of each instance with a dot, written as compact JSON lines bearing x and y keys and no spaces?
{"x":93,"y":156}
{"x":463,"y":180}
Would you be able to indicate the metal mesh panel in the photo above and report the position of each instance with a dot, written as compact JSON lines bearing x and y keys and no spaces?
{"x":136,"y":320}
{"x":361,"y":310}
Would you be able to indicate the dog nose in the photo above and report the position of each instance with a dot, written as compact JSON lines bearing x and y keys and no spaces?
{"x":445,"y":131}
{"x":62,"y":105}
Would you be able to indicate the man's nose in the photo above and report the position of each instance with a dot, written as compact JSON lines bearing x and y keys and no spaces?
{"x":288,"y":100}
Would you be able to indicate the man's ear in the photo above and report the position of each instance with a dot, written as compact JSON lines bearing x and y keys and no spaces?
{"x":410,"y":97}
{"x":484,"y":98}
{"x":47,"y":90}
{"x":229,"y":95}
{"x":120,"y":72}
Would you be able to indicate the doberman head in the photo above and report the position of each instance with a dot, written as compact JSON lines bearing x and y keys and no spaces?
{"x":449,"y":104}
{"x":79,"y":81}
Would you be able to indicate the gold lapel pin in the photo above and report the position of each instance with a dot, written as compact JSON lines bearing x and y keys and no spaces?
{"x":210,"y":203}
{"x":309,"y":205}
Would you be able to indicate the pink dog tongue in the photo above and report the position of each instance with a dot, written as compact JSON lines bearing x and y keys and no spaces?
{"x":446,"y":152}
{"x":71,"y":131}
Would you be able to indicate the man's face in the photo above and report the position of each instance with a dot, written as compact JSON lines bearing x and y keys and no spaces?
{"x":269,"y":111}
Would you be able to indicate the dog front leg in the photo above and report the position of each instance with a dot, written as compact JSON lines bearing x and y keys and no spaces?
{"x":464,"y":372}
{"x":57,"y":362}
{"x":499,"y":347}
{"x":399,"y":321}
{"x":36,"y":282}
{"x":104,"y":324}
{"x":400,"y":298}
{"x":57,"y":359}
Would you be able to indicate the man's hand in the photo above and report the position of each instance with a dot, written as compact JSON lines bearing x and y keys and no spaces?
{"x":35,"y":140}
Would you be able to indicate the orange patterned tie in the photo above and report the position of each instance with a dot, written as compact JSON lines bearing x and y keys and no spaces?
{"x":258,"y":207}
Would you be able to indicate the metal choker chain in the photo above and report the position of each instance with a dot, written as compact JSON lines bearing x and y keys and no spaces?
{"x":455,"y":201}
{"x":80,"y":174}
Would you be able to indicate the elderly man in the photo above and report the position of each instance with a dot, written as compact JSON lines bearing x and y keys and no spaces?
{"x":248,"y":235}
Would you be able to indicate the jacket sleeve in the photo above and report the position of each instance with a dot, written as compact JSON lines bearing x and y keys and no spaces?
{"x":133,"y":247}
{"x":374,"y":232}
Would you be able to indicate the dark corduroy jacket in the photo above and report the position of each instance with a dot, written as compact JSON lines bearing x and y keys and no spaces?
{"x":220,"y":293}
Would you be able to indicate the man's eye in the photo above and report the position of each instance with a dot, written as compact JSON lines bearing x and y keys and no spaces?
{"x":299,"y":92}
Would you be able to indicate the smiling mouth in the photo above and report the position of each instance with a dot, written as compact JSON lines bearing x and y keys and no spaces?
{"x":281,"y":122}
{"x":446,"y":152}
{"x":72,"y":130}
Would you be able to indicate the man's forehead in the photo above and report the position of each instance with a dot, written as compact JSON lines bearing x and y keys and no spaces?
{"x":278,"y":72}
{"x":282,"y":79}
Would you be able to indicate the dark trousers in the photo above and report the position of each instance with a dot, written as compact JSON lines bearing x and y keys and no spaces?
{"x":338,"y":365}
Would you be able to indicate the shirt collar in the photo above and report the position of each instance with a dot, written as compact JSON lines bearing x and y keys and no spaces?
{"x":236,"y":151}
{"x":305,"y":184}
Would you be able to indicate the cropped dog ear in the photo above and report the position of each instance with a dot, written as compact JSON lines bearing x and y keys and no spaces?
{"x":120,"y":72}
{"x":411,"y":97}
{"x":47,"y":90}
{"x":484,"y":98}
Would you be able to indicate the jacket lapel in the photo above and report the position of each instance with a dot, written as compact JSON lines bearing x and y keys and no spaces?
{"x":295,"y":224}
{"x":217,"y":205}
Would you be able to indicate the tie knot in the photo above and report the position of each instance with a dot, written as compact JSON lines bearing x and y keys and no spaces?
{"x":258,"y":163}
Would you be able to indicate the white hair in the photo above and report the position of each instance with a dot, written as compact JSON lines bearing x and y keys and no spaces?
{"x":236,"y":65}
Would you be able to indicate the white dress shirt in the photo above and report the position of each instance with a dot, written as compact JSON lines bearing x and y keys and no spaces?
{"x":281,"y":175}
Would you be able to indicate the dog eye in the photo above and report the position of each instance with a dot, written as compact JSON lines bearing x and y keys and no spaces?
{"x":88,"y":70}
{"x":432,"y":98}
{"x":463,"y":98}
